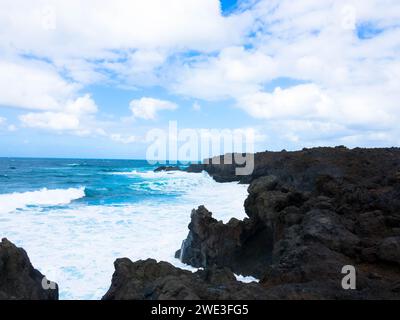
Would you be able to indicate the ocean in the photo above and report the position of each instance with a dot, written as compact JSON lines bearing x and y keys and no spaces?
{"x":75,"y":217}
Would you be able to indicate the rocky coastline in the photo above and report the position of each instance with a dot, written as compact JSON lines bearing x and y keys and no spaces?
{"x":310,"y":213}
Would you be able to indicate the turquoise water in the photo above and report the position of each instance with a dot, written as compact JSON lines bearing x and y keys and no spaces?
{"x":75,"y":217}
{"x":105,"y":181}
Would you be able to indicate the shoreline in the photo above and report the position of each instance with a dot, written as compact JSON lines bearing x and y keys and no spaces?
{"x":79,"y":242}
{"x":311,"y":212}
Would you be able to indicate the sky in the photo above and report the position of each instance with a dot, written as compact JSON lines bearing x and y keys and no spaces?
{"x":89,"y":79}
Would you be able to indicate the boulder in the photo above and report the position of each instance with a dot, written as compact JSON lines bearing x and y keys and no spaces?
{"x":19,"y":280}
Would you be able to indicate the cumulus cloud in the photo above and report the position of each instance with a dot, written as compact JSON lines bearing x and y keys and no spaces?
{"x":51,"y":120}
{"x":233,"y":72}
{"x":124,"y":39}
{"x":302,"y":101}
{"x":341,"y":57}
{"x":198,"y":24}
{"x":32,"y":85}
{"x":147,"y":108}
{"x":69,"y":118}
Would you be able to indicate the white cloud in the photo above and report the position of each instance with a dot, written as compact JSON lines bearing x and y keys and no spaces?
{"x":71,"y":118}
{"x":51,"y":120}
{"x":147,"y":108}
{"x":33,"y":85}
{"x":233,"y":72}
{"x":82,"y":105}
{"x":310,"y":101}
{"x":196,"y":24}
{"x":196,"y":106}
{"x":4,"y":125}
{"x":128,"y":39}
{"x":347,"y":84}
{"x":305,"y":101}
{"x":128,"y":139}
{"x":11,"y":127}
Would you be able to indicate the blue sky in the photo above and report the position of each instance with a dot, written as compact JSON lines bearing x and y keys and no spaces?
{"x":75,"y":82}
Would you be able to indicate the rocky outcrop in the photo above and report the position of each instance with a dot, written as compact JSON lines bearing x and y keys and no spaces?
{"x":19,"y":280}
{"x":311,"y":213}
{"x":244,"y":246}
{"x":300,"y":168}
{"x":167,"y":168}
{"x":152,"y":280}
{"x":149,"y":280}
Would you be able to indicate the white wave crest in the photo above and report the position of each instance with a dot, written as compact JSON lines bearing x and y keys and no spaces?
{"x":153,"y":175}
{"x":76,"y":246}
{"x":44,"y":197}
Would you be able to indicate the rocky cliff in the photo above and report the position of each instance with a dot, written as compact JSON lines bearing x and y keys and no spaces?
{"x":18,"y":279}
{"x":301,"y":168}
{"x":311,"y":213}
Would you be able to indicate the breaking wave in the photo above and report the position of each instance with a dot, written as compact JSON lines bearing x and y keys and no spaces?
{"x":44,"y":197}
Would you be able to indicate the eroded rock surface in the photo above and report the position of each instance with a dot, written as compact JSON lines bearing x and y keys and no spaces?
{"x":313,"y":212}
{"x":244,"y":246}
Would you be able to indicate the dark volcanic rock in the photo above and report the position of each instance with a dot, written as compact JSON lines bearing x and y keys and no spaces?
{"x":152,"y":280}
{"x":18,"y":279}
{"x":244,"y":246}
{"x":167,"y":168}
{"x":310,"y":213}
{"x":149,"y":280}
{"x":389,"y":250}
{"x":301,"y":168}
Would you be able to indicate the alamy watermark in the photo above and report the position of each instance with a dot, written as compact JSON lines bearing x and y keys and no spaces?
{"x":349,"y":280}
{"x":167,"y":146}
{"x":48,"y":285}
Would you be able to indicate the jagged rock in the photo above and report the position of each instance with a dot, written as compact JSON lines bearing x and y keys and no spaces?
{"x":18,"y":279}
{"x":312,"y":211}
{"x":241,"y":245}
{"x":301,"y":168}
{"x":152,"y":280}
{"x":325,"y":227}
{"x":167,"y":168}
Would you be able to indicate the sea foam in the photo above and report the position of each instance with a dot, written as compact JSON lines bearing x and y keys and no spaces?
{"x":44,"y":197}
{"x":76,"y":245}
